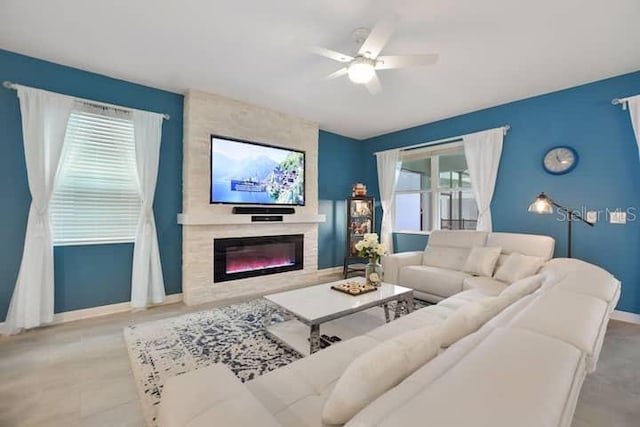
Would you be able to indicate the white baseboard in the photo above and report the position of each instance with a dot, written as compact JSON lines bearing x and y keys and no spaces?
{"x":88,"y":313}
{"x":103,"y":310}
{"x":330,"y":270}
{"x":625,"y":316}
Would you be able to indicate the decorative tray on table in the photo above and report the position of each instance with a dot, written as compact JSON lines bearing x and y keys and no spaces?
{"x":354,"y":288}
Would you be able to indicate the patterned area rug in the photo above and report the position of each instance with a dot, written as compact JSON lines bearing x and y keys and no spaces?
{"x":233,"y":335}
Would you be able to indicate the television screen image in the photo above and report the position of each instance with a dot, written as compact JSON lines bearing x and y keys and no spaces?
{"x":245,"y":172}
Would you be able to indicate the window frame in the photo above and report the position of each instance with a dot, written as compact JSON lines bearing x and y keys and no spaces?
{"x":434,"y":153}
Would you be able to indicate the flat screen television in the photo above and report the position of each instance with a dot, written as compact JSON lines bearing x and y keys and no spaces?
{"x":244,"y":172}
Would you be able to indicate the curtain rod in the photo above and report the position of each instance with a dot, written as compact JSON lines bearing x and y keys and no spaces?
{"x":622,"y":101}
{"x":504,"y":128}
{"x":12,"y":86}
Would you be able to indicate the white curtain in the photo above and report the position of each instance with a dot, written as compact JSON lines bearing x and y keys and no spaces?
{"x":147,"y":283}
{"x":482,"y":151}
{"x":634,"y":112}
{"x":388,"y":172}
{"x":44,"y":123}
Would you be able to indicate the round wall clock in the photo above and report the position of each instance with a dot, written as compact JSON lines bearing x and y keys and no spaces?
{"x":560,"y":160}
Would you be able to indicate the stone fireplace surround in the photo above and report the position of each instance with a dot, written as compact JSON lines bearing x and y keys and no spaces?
{"x":202,"y":222}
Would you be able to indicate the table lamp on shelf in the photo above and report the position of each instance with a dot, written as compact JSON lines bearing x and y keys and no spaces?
{"x":543,"y":204}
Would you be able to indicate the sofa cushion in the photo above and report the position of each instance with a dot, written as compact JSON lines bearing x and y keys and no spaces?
{"x":526,"y":244}
{"x":465,"y":320}
{"x":432,"y":371}
{"x":495,"y":305}
{"x":378,"y":370}
{"x":438,"y":310}
{"x":445,"y":257}
{"x":473,"y":294}
{"x":454,"y":302}
{"x":432,"y":315}
{"x":211,"y":393}
{"x":482,"y":260}
{"x":458,"y":238}
{"x":583,"y":282}
{"x":487,"y":285}
{"x":450,"y":249}
{"x":508,"y":313}
{"x":392,"y":264}
{"x":573,"y":318}
{"x":522,"y":287}
{"x":518,"y":266}
{"x":567,"y":265}
{"x":433,"y":280}
{"x":511,"y":378}
{"x":581,"y":277}
{"x":306,"y":412}
{"x":310,"y":377}
{"x":459,"y":300}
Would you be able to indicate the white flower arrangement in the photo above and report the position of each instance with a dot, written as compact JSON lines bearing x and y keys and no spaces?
{"x":369,"y":247}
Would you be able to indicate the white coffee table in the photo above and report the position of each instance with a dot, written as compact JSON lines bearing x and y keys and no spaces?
{"x":318,"y":304}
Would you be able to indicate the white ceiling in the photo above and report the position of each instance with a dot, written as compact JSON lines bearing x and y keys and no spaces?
{"x":491,"y":51}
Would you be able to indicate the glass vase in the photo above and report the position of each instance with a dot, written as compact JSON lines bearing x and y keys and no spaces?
{"x":373,"y":273}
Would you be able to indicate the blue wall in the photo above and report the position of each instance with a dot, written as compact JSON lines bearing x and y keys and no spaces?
{"x":607,"y":176}
{"x":407,"y":242}
{"x":340,"y":165}
{"x":85,"y":276}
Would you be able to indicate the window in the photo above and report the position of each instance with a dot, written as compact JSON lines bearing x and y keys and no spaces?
{"x":96,"y":199}
{"x":434,"y":191}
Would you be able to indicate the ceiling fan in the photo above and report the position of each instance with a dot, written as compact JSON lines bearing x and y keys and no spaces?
{"x":361,"y":68}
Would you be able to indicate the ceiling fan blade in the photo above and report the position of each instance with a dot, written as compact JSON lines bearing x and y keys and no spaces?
{"x":331,"y":54}
{"x":374,"y":85}
{"x":378,"y":37}
{"x":341,"y":72}
{"x":405,"y":61}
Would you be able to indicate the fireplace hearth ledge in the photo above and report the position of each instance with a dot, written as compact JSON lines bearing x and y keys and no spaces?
{"x":212,"y":219}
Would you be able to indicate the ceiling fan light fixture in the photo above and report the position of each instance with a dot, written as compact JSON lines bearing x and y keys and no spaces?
{"x":361,"y":70}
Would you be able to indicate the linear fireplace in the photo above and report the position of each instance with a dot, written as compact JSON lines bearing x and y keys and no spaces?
{"x":242,"y":257}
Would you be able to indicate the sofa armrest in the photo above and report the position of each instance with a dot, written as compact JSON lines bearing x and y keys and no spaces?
{"x":211,"y":395}
{"x":391,"y":264}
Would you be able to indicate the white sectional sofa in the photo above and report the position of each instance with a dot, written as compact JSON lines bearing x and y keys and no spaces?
{"x":523,"y":367}
{"x":437,"y":272}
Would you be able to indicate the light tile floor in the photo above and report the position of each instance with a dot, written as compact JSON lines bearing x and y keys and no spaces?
{"x":74,"y":374}
{"x":78,"y":374}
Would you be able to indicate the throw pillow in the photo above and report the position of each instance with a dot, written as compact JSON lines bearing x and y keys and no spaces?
{"x":465,"y":320}
{"x":454,"y":327}
{"x":518,"y":266}
{"x":495,"y":305}
{"x":522,"y":287}
{"x":383,"y":367}
{"x":482,"y":260}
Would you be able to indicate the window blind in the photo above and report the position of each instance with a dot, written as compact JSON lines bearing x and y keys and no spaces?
{"x":96,"y":199}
